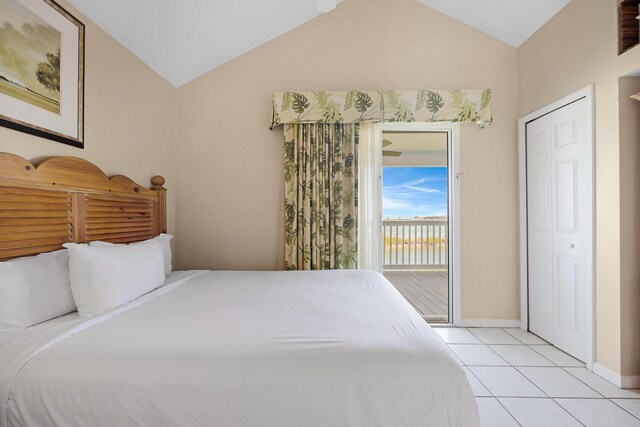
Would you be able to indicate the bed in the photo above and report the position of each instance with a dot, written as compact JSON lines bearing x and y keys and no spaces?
{"x":332,"y":348}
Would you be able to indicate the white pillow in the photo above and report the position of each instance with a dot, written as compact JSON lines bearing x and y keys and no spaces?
{"x":34,"y":289}
{"x":105,"y":277}
{"x":163,"y":239}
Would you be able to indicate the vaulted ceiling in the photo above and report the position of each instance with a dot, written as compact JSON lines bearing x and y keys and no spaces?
{"x":512,"y":21}
{"x":183,"y":39}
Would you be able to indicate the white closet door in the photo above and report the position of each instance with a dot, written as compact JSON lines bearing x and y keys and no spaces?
{"x":559,"y":227}
{"x":540,"y":227}
{"x":572,"y":222}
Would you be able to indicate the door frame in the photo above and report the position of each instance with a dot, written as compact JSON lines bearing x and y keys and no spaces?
{"x":454,"y":177}
{"x":586,"y":93}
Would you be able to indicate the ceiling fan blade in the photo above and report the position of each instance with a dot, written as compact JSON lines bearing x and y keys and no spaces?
{"x":325,"y":6}
{"x":386,"y":143}
{"x":391,"y":153}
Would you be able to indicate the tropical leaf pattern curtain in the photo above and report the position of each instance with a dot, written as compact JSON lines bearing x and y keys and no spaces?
{"x":321,"y":181}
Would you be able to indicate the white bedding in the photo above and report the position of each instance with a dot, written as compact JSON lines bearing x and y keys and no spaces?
{"x":334,"y":348}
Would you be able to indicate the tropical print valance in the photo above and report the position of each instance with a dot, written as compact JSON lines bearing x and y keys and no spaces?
{"x":454,"y":105}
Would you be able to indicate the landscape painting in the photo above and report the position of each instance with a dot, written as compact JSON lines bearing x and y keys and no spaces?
{"x":29,"y":57}
{"x":42,"y":70}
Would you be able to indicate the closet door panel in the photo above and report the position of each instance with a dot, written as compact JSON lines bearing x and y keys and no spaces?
{"x":570,"y":234}
{"x":540,"y":227}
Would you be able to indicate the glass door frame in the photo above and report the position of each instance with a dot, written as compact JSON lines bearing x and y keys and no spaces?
{"x":454,"y":182}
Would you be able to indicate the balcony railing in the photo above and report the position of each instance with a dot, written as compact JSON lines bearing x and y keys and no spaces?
{"x":415,"y":245}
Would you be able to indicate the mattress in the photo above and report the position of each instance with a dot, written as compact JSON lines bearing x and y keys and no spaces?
{"x":331,"y":348}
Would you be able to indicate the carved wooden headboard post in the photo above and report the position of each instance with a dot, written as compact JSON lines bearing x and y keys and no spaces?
{"x":160,"y":224}
{"x":67,"y":199}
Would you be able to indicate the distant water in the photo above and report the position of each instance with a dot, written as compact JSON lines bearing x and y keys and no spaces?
{"x":426,"y":245}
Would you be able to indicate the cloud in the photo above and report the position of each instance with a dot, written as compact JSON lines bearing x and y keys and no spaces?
{"x":436,"y":209}
{"x":425,"y":180}
{"x":395,"y":204}
{"x":422,"y":189}
{"x":414,"y":185}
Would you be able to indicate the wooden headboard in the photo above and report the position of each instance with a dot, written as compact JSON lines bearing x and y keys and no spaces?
{"x":67,"y":199}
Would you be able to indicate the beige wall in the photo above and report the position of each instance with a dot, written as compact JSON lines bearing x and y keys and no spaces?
{"x":230,"y":165}
{"x":576,"y":48}
{"x":129,"y":121}
{"x":630,"y":236}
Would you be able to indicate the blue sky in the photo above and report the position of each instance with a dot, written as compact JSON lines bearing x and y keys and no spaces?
{"x":409,"y":192}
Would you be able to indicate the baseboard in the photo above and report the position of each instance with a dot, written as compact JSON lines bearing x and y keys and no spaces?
{"x":488,"y":323}
{"x":630,"y":381}
{"x":621,"y":381}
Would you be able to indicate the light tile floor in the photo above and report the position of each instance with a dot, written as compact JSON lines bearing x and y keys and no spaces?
{"x":520,"y":380}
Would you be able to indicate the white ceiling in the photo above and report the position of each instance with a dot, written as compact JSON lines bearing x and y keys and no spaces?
{"x":512,"y":21}
{"x":408,"y":142}
{"x":417,"y":148}
{"x":183,"y":39}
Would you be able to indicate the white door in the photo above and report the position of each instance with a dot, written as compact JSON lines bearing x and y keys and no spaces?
{"x":559,"y":227}
{"x":539,"y":226}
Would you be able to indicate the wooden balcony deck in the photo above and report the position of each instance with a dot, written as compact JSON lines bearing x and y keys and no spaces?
{"x":427,"y":291}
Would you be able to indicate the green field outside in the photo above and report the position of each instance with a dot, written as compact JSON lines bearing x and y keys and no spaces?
{"x":28,"y":97}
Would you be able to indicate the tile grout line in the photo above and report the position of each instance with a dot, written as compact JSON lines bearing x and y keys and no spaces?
{"x":524,"y":376}
{"x":552,"y":400}
{"x":512,"y":416}
{"x":595,"y":391}
{"x":543,"y":356}
{"x":522,"y":366}
{"x":481,"y":383}
{"x":565,"y":410}
{"x":499,"y":329}
{"x":496,"y":353}
{"x":482,"y":343}
{"x":520,"y":341}
{"x":559,"y":366}
{"x":624,"y":409}
{"x":526,"y":332}
{"x":610,"y":399}
{"x":574,"y":398}
{"x":599,"y":394}
{"x":581,"y":398}
{"x":486,"y":345}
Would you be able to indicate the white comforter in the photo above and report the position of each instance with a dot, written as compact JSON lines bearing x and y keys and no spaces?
{"x":325,"y":349}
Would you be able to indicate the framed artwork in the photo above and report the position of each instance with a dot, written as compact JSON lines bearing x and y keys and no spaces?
{"x":42,"y":70}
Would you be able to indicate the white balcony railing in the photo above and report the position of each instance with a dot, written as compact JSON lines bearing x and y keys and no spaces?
{"x":415,"y":244}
